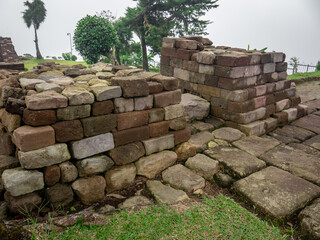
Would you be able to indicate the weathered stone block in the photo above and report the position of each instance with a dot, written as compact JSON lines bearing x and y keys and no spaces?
{"x":233,"y":60}
{"x":10,"y":121}
{"x":102,"y":108}
{"x":186,"y":44}
{"x":168,"y":83}
{"x":66,"y":131}
{"x":206,"y":69}
{"x":98,"y":125}
{"x":78,"y":96}
{"x":120,"y":177}
{"x":269,"y":68}
{"x":28,"y":138}
{"x":137,"y":119}
{"x":7,"y":147}
{"x":283,"y":104}
{"x":18,"y":181}
{"x":39,"y":118}
{"x":127,"y":153}
{"x":123,"y":105}
{"x":94,"y":165}
{"x":92,"y":146}
{"x":143,"y":103}
{"x":73,"y":112}
{"x":181,"y":74}
{"x":159,"y":144}
{"x":181,"y":136}
{"x":131,"y":135}
{"x":155,"y":87}
{"x":195,"y":107}
{"x":103,"y":93}
{"x":173,"y":111}
{"x":29,"y":202}
{"x":46,"y":100}
{"x":164,"y":99}
{"x":204,"y":166}
{"x":178,"y":123}
{"x":132,"y":86}
{"x":205,"y":57}
{"x":52,"y":175}
{"x":156,"y":115}
{"x":59,"y":195}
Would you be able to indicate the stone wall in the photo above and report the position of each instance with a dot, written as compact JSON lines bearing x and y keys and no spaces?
{"x":79,"y":133}
{"x":7,"y":52}
{"x":247,"y":89}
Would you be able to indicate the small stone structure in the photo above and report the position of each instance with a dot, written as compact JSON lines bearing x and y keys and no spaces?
{"x":8,"y":55}
{"x":67,"y":131}
{"x":247,"y":89}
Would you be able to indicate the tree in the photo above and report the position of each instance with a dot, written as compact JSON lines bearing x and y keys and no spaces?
{"x":34,"y":15}
{"x":95,"y":37}
{"x":294,"y":62}
{"x":152,"y":20}
{"x":318,"y":66}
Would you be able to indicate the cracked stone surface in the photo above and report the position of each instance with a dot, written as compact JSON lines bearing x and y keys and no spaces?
{"x":294,"y":161}
{"x":277,"y":192}
{"x":256,"y":145}
{"x":236,"y":162}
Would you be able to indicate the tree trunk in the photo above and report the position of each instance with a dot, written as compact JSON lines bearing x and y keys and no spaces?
{"x":117,"y":55}
{"x":39,"y":56}
{"x":144,"y":52}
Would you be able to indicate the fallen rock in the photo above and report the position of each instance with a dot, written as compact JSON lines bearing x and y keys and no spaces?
{"x":135,"y":202}
{"x":106,"y":209}
{"x":154,"y":164}
{"x":69,"y":172}
{"x":18,"y":181}
{"x":195,"y":107}
{"x":185,"y":150}
{"x":183,"y":178}
{"x":204,"y":166}
{"x":89,"y":190}
{"x":120,"y":177}
{"x":165,"y":194}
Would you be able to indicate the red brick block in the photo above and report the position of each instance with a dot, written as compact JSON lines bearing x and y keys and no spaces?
{"x":281,"y":67}
{"x":266,"y":58}
{"x":251,"y":93}
{"x":159,"y":129}
{"x":240,"y":107}
{"x":93,"y":126}
{"x":167,"y":98}
{"x":130,"y":135}
{"x":67,"y":131}
{"x":233,"y":60}
{"x":168,"y":52}
{"x":28,"y":138}
{"x":282,"y":75}
{"x":132,"y":119}
{"x":52,"y":175}
{"x":270,"y":110}
{"x":280,"y":95}
{"x":168,"y":83}
{"x":191,"y":66}
{"x":270,"y":99}
{"x":181,"y":136}
{"x":185,"y":54}
{"x":295,"y":101}
{"x":131,"y":86}
{"x":259,"y":102}
{"x":102,"y":108}
{"x":261,"y":90}
{"x":155,"y":87}
{"x":236,"y":84}
{"x":282,"y":118}
{"x":39,"y":118}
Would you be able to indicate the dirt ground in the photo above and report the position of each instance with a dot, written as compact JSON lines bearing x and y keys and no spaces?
{"x":308,"y":90}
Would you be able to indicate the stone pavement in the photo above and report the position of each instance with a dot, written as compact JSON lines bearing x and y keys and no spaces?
{"x":279,"y":173}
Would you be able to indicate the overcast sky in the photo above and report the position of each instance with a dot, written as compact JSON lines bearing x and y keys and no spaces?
{"x":291,"y":26}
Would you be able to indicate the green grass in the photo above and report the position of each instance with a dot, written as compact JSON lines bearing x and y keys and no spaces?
{"x":29,"y":64}
{"x":298,"y":76}
{"x":215,"y":218}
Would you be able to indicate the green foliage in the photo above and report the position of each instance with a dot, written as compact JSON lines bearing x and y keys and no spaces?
{"x":215,"y":218}
{"x":152,"y":20}
{"x":28,"y":55}
{"x":318,"y":66}
{"x":299,"y":76}
{"x":294,"y":62}
{"x":261,"y":50}
{"x":67,"y":56}
{"x":29,"y":64}
{"x":94,"y":37}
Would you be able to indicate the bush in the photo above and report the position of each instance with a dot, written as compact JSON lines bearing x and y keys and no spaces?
{"x":67,"y":56}
{"x":28,"y":55}
{"x":74,"y":58}
{"x":318,"y":66}
{"x":94,"y":37}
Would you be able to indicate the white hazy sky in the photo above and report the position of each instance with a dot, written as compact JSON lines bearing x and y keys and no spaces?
{"x":291,"y":26}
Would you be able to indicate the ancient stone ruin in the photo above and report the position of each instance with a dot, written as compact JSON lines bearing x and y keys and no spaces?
{"x":8,"y":55}
{"x":247,"y":89}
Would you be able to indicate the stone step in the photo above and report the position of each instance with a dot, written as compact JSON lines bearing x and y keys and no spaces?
{"x":165,"y":194}
{"x":180,"y":177}
{"x":277,"y":192}
{"x":204,"y":166}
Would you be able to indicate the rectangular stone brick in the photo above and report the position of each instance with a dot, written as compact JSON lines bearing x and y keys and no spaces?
{"x":185,"y":54}
{"x":131,"y":86}
{"x":270,"y":99}
{"x":270,"y":124}
{"x":46,"y":100}
{"x":282,"y":75}
{"x":245,"y":118}
{"x":158,"y":144}
{"x":210,"y":80}
{"x":251,"y":93}
{"x":181,"y":74}
{"x":178,"y":124}
{"x":156,"y":115}
{"x":103,"y":93}
{"x":67,"y":131}
{"x":270,"y":77}
{"x":238,"y":72}
{"x":282,"y":118}
{"x":208,"y":90}
{"x":218,"y":112}
{"x":206,"y":69}
{"x":205,"y":57}
{"x":240,"y":107}
{"x":122,"y":105}
{"x":280,"y":95}
{"x":280,"y":85}
{"x":233,"y":60}
{"x":181,"y":136}
{"x":302,"y":110}
{"x":39,"y":118}
{"x":287,"y":83}
{"x":271,"y":87}
{"x":10,"y":121}
{"x":159,"y":129}
{"x":292,"y":114}
{"x":186,"y":44}
{"x":283,"y":104}
{"x":166,"y":70}
{"x":256,"y":128}
{"x":270,"y":110}
{"x":269,"y":68}
{"x":143,"y":103}
{"x":102,"y":108}
{"x":290,"y":92}
{"x":173,"y":111}
{"x":259,"y":102}
{"x":92,"y":146}
{"x":164,"y":99}
{"x":235,"y":96}
{"x":281,"y":67}
{"x":28,"y":138}
{"x":295,"y":101}
{"x":168,"y":83}
{"x":164,"y":60}
{"x":169,"y":42}
{"x":155,"y":87}
{"x":255,"y":59}
{"x":168,"y":52}
{"x":131,"y":135}
{"x":266,"y":58}
{"x":132,"y":119}
{"x":93,"y":126}
{"x":238,"y":83}
{"x":176,"y":63}
{"x":261,"y":90}
{"x":278,"y":57}
{"x":7,"y":147}
{"x":219,"y":102}
{"x":73,"y":112}
{"x":191,"y":66}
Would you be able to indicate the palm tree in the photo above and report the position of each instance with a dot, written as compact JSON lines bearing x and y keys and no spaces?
{"x":34,"y":15}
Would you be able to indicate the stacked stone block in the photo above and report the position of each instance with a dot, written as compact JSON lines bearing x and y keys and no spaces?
{"x":86,"y":136}
{"x":247,"y":89}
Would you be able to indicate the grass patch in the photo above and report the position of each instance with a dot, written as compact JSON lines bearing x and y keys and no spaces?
{"x":215,"y":218}
{"x":29,"y":64}
{"x":299,"y":76}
